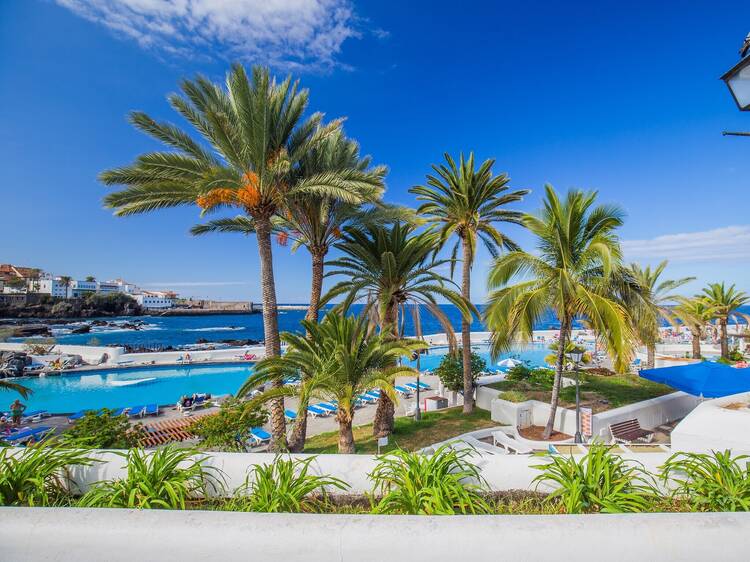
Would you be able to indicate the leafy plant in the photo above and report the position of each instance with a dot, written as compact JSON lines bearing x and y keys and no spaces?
{"x":103,"y":432}
{"x":518,"y":373}
{"x":451,"y":369}
{"x":38,"y":475}
{"x":166,"y":478}
{"x":599,"y":482}
{"x":285,"y":485}
{"x":444,"y":483}
{"x":224,"y":430}
{"x":542,"y":378}
{"x":513,"y":396}
{"x":710,"y":482}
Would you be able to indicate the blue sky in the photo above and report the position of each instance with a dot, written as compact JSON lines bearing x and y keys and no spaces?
{"x":619,"y":97}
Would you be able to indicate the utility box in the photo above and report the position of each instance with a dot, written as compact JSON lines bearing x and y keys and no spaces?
{"x":432,"y":403}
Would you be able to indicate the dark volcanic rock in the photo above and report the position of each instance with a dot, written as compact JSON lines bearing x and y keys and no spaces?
{"x":31,"y":330}
{"x":81,"y":329}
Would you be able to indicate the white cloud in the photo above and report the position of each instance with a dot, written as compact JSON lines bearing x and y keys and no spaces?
{"x":720,"y":244}
{"x":283,"y":33}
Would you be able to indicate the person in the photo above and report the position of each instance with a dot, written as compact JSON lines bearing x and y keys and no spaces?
{"x":16,"y":412}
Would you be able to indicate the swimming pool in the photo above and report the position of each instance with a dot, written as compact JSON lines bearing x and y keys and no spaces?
{"x":100,"y":389}
{"x":533,"y":353}
{"x":104,"y":389}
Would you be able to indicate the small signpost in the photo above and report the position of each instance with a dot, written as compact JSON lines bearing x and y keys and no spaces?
{"x":382,"y":442}
{"x":586,"y":419}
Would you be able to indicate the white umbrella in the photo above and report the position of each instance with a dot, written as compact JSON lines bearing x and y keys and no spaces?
{"x":509,"y":362}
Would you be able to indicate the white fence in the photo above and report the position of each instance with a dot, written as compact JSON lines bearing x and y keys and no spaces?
{"x":80,"y":535}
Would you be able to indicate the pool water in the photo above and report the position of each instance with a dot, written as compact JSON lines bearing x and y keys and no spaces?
{"x":94,"y":389}
{"x":533,"y":354}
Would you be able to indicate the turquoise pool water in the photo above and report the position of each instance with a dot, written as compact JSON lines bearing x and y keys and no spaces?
{"x":95,"y":389}
{"x":534,"y":354}
{"x":100,"y":389}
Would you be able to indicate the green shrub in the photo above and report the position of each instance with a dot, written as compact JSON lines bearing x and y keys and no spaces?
{"x":735,"y":354}
{"x":518,"y":373}
{"x":451,"y":369}
{"x":166,"y":478}
{"x":103,"y":432}
{"x":599,"y":482}
{"x":710,"y":482}
{"x":513,"y":396}
{"x":39,"y":474}
{"x":228,"y":428}
{"x":285,"y":486}
{"x":542,"y":378}
{"x":444,"y":483}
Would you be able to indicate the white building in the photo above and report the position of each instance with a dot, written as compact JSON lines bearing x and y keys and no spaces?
{"x":155,"y":300}
{"x":83,"y":288}
{"x":55,"y":287}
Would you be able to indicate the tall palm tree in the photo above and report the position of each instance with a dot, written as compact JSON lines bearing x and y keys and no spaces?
{"x":725,"y":301}
{"x":392,"y":269}
{"x":257,"y":137}
{"x":577,"y":251}
{"x":466,"y":201}
{"x":316,"y":223}
{"x":340,"y":358}
{"x":67,"y":282}
{"x":695,"y":313}
{"x":10,"y":386}
{"x":654,"y":294}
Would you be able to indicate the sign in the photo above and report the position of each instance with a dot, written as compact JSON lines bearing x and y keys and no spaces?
{"x":382,"y":442}
{"x":586,"y":421}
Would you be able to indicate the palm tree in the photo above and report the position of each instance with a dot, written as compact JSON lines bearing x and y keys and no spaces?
{"x":465,"y":201}
{"x":391,"y":269}
{"x":695,"y":313}
{"x":67,"y":282}
{"x":90,"y":278}
{"x":725,"y":301}
{"x":15,"y":387}
{"x":339,"y":359}
{"x":577,"y":251}
{"x":316,"y":223}
{"x":257,"y":137}
{"x":653,"y":296}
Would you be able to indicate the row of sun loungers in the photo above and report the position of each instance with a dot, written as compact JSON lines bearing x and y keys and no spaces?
{"x":138,"y":411}
{"x":30,"y":417}
{"x":26,"y":435}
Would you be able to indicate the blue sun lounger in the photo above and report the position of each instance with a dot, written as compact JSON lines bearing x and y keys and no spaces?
{"x":367,"y":399}
{"x":26,"y":434}
{"x":373,"y":394}
{"x":135,"y":411}
{"x":330,"y":408}
{"x":118,"y":412}
{"x":314,"y":411}
{"x":404,"y":391}
{"x":289,"y":415}
{"x":151,"y":410}
{"x":258,"y":436}
{"x":422,"y":386}
{"x":78,"y":415}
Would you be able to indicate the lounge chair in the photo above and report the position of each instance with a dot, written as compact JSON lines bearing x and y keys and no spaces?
{"x":118,"y":412}
{"x":630,"y":430}
{"x":135,"y":411}
{"x":151,"y":410}
{"x":330,"y":408}
{"x":34,"y":416}
{"x":290,"y":416}
{"x":373,"y":394}
{"x":367,"y":399}
{"x":509,"y":444}
{"x":259,"y":436}
{"x":315,"y":411}
{"x":404,"y":391}
{"x":78,"y":415}
{"x":27,"y":434}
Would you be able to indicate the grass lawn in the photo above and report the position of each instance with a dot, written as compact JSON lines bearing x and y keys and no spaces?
{"x":407,"y":434}
{"x":616,"y":390}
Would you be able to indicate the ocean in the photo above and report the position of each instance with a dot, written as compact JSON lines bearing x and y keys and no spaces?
{"x":162,"y":331}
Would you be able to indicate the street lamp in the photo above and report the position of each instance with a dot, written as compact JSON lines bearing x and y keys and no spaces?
{"x":417,"y":413}
{"x":576,"y":356}
{"x":737,"y":80}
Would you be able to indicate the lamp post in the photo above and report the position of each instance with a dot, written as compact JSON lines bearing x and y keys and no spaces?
{"x":576,"y":357}
{"x":417,"y":413}
{"x":737,"y":80}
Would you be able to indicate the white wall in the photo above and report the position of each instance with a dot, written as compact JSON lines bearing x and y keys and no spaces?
{"x":711,"y":426}
{"x":89,"y":353}
{"x":118,"y":535}
{"x":649,"y":413}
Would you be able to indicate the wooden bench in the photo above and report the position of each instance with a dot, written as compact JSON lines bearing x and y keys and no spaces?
{"x":629,"y":431}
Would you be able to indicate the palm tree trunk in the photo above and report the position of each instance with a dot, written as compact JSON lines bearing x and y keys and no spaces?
{"x":382,"y":424}
{"x":466,"y":331}
{"x":696,"y":344}
{"x":559,"y":366}
{"x":724,"y":338}
{"x":270,"y":325}
{"x":299,"y":429}
{"x":346,"y":435}
{"x":650,"y":355}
